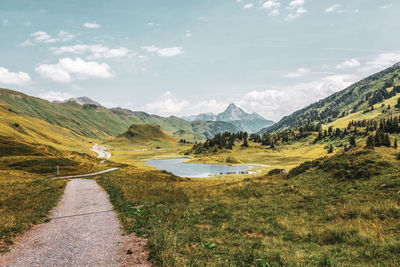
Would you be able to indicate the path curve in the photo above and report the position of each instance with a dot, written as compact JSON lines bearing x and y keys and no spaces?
{"x":83,"y":231}
{"x":101,"y":151}
{"x":86,"y":175}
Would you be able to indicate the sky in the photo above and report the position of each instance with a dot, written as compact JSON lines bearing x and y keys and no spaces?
{"x":184,"y":57}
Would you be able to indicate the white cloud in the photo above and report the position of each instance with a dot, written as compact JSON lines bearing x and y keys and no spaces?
{"x":296,"y":3}
{"x":274,"y":12}
{"x":27,"y":42}
{"x":96,"y":51}
{"x":64,"y":36}
{"x":44,"y":37}
{"x":151,"y":48}
{"x":170,"y":51}
{"x":275,"y":103}
{"x":272,"y":103}
{"x":386,"y":6}
{"x":204,"y":19}
{"x":167,"y":104}
{"x":56,"y":96}
{"x":298,"y":13}
{"x":188,"y":34}
{"x":164,"y":52}
{"x":381,"y":61}
{"x":300,"y":72}
{"x":14,"y":78}
{"x":91,"y":25}
{"x":152,"y":24}
{"x":41,"y":36}
{"x":350,"y":63}
{"x":247,"y":6}
{"x":28,"y":23}
{"x":271,"y":4}
{"x":68,"y":70}
{"x":333,"y":8}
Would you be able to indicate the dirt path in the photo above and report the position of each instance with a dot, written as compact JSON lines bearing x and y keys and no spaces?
{"x":83,"y":231}
{"x":101,"y":151}
{"x":86,"y":175}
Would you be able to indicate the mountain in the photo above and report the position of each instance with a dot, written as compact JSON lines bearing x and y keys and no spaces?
{"x":354,"y":102}
{"x":143,"y":135}
{"x":84,"y":100}
{"x":202,"y":117}
{"x":233,"y":114}
{"x":87,"y":118}
{"x":209,"y":128}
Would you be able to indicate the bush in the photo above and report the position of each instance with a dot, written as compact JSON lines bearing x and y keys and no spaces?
{"x":275,"y":172}
{"x":361,"y":164}
{"x":305,"y":166}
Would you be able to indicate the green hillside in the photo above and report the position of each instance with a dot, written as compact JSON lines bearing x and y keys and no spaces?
{"x":142,"y":134}
{"x":359,"y":97}
{"x":101,"y":123}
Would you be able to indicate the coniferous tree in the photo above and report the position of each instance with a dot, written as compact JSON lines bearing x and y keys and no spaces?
{"x":352,"y":142}
{"x":370,"y":142}
{"x":330,"y":150}
{"x":245,"y":142}
{"x":395,"y":143}
{"x":386,"y":141}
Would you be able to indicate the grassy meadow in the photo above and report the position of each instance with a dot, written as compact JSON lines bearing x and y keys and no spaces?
{"x":337,"y":211}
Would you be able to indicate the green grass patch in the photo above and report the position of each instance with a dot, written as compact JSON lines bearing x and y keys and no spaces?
{"x":25,"y":199}
{"x":317,"y":218}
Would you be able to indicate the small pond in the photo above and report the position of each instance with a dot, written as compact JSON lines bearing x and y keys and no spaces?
{"x":178,"y":168}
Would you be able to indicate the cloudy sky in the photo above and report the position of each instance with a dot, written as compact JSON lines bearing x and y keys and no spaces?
{"x":182,"y":57}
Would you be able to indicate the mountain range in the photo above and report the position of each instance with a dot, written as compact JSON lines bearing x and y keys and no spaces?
{"x":32,"y":118}
{"x":87,"y":118}
{"x":247,"y":122}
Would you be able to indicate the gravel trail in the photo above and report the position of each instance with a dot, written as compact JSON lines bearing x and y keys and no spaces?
{"x":83,"y":231}
{"x":86,"y":175}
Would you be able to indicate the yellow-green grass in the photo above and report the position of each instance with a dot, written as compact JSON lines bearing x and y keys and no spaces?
{"x":29,"y":129}
{"x":284,"y":156}
{"x":43,"y":159}
{"x":147,"y":136}
{"x":138,"y":157}
{"x":324,"y":216}
{"x":376,"y":114}
{"x":25,"y":199}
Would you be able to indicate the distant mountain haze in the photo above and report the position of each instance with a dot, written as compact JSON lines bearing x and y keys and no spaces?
{"x":251,"y":123}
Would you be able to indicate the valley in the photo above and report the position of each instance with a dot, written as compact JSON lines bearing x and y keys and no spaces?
{"x":323,"y":188}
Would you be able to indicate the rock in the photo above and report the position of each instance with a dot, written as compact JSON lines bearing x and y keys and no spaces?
{"x":129,"y":252}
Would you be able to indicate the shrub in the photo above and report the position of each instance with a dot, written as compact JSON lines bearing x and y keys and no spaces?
{"x":275,"y":172}
{"x":305,"y":166}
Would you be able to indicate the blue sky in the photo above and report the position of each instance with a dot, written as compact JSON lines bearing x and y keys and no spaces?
{"x":186,"y":57}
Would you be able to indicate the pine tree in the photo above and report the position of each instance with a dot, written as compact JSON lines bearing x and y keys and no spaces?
{"x":245,"y":142}
{"x":370,"y":142}
{"x":395,"y":143}
{"x":386,"y":141}
{"x":330,"y":150}
{"x":352,"y":142}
